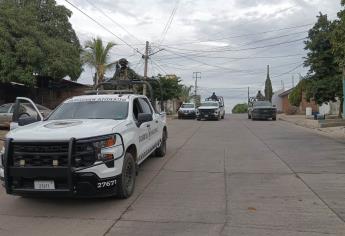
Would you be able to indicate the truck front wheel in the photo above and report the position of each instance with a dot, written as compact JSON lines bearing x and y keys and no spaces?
{"x":127,"y":179}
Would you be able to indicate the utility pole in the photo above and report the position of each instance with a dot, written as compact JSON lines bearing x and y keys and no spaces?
{"x":146,"y":58}
{"x":196,"y":76}
{"x":248,"y":95}
{"x":293,"y":81}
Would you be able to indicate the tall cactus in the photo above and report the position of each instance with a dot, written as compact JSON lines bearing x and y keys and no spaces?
{"x":268,"y":86}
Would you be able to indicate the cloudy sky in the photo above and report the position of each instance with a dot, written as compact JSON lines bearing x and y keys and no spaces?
{"x":229,"y":41}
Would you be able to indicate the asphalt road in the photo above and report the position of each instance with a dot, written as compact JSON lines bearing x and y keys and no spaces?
{"x":232,"y":177}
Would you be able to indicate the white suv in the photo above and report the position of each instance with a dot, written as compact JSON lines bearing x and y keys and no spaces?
{"x":187,"y":110}
{"x":88,"y":146}
{"x":210,"y":110}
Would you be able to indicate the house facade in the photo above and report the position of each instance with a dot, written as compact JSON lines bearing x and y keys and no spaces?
{"x":45,"y":92}
{"x":287,"y":108}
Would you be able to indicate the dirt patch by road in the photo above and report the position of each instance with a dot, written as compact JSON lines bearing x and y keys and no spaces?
{"x":2,"y":135}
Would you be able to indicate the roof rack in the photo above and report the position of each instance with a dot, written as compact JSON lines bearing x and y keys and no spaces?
{"x":102,"y":88}
{"x":108,"y":91}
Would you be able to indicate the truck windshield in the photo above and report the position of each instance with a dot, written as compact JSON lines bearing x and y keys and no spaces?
{"x":91,"y":110}
{"x":262,"y":104}
{"x":187,"y":106}
{"x":209,"y":104}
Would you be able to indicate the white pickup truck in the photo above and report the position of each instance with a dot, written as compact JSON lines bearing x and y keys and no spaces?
{"x":88,"y":146}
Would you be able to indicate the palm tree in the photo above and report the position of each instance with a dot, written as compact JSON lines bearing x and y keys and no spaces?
{"x":97,"y":56}
{"x":185,"y":93}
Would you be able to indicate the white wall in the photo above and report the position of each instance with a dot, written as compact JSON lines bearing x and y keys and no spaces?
{"x":332,"y":108}
{"x":278,"y":101}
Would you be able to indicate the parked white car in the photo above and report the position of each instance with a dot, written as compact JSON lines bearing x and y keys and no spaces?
{"x":187,"y":110}
{"x":90,"y":145}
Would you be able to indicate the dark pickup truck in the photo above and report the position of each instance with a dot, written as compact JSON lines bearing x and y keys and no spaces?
{"x":262,"y":110}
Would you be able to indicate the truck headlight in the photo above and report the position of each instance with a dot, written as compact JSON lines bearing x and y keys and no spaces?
{"x":103,"y":148}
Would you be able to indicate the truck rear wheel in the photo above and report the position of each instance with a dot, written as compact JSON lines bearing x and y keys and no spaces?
{"x":162,"y":149}
{"x":127,"y":179}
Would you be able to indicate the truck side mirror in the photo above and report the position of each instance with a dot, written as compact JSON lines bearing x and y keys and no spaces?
{"x":144,"y":117}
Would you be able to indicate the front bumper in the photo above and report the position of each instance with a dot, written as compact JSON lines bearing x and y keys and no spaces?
{"x":69,"y":181}
{"x":82,"y":184}
{"x":263,"y":115}
{"x":187,"y":115}
{"x":208,"y":116}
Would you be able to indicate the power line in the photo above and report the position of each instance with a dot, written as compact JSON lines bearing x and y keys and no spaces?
{"x":241,"y":35}
{"x":103,"y":27}
{"x":112,"y":20}
{"x":235,"y":58}
{"x":276,"y":37}
{"x":152,"y":68}
{"x":229,"y":70}
{"x":287,"y":72}
{"x":237,"y":50}
{"x":158,"y":66}
{"x":168,"y":24}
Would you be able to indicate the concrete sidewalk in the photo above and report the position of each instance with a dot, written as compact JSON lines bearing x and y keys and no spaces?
{"x":337,"y":133}
{"x":299,"y":120}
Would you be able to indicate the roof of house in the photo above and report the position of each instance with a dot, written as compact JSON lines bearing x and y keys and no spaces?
{"x":286,"y":93}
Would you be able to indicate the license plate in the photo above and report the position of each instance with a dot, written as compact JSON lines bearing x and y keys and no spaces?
{"x":206,"y":115}
{"x":44,"y":184}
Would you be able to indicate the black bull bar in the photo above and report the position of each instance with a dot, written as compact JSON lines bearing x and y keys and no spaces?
{"x":68,"y":171}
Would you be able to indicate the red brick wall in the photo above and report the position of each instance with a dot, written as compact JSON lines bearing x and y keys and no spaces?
{"x":304,"y":104}
{"x":288,"y":108}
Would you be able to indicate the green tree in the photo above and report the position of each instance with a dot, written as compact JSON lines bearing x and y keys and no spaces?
{"x":338,"y":42}
{"x":36,"y":37}
{"x":323,"y":80}
{"x":172,"y":89}
{"x":322,"y":63}
{"x":338,"y":39}
{"x":240,"y":108}
{"x":97,"y":56}
{"x":268,"y":86}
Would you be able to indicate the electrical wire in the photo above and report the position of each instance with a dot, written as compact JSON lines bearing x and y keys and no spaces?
{"x":158,"y":66}
{"x":168,"y":24}
{"x":112,"y":20}
{"x":237,"y":50}
{"x":103,"y":27}
{"x":239,"y":36}
{"x":235,"y":58}
{"x":287,"y":72}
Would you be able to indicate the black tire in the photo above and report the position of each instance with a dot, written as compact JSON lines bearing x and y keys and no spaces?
{"x":198,"y":119}
{"x":249,"y":116}
{"x":127,"y":179}
{"x":162,"y":149}
{"x":274,"y":118}
{"x":223,"y":116}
